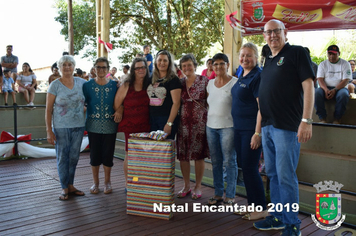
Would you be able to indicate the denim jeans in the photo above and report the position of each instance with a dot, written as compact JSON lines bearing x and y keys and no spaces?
{"x":281,"y":152}
{"x":221,"y":146}
{"x":341,"y":97}
{"x":68,"y":142}
{"x":249,"y":163}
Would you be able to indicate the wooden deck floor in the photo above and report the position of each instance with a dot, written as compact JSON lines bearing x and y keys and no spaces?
{"x":29,"y":205}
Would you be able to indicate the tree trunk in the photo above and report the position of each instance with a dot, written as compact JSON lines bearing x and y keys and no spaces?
{"x":70,"y":28}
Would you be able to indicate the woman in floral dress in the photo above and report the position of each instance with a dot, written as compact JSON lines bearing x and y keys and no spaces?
{"x":192,"y":142}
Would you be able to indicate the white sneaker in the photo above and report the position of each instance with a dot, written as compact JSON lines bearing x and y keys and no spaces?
{"x":31,"y":104}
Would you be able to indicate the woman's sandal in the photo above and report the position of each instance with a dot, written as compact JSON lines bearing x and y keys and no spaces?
{"x":182,"y":194}
{"x":107,"y":188}
{"x":229,"y":201}
{"x":94,"y":189}
{"x":214,"y":200}
{"x":255,"y":215}
{"x":63,"y":197}
{"x":196,"y":196}
{"x":77,"y":193}
{"x":240,"y":213}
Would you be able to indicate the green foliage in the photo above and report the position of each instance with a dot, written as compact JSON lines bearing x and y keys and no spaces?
{"x":347,"y":46}
{"x":347,"y":49}
{"x":256,"y":39}
{"x":83,"y":23}
{"x":180,"y":26}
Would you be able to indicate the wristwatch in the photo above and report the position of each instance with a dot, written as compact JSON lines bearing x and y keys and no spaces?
{"x":258,"y":134}
{"x":169,"y":124}
{"x":308,"y":121}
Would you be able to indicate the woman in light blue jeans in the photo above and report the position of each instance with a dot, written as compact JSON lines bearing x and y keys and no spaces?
{"x":220,"y":131}
{"x":65,"y":111}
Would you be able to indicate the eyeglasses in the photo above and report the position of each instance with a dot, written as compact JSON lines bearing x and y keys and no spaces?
{"x":219,"y":64}
{"x":101,"y":67}
{"x":276,"y":31}
{"x":352,"y":64}
{"x":141,"y":68}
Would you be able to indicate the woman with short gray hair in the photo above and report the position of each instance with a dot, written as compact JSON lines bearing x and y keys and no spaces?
{"x":65,"y":110}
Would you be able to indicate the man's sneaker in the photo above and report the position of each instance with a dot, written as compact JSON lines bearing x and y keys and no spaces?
{"x":291,"y":230}
{"x":269,"y":223}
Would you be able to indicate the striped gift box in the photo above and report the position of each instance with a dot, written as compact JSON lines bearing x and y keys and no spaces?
{"x":151,"y":166}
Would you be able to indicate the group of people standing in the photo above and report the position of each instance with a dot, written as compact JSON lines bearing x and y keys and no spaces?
{"x":225,"y":118}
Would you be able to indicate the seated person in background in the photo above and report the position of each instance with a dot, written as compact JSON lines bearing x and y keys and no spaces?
{"x":351,"y":85}
{"x":27,"y":82}
{"x":124,"y":77}
{"x":55,"y":74}
{"x":333,"y":76}
{"x":8,"y":86}
{"x":78,"y":73}
{"x":92,"y":73}
{"x":314,"y":67}
{"x":112,"y":73}
{"x":209,"y":72}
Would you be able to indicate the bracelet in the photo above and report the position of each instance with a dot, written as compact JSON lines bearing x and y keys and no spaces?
{"x":258,"y":134}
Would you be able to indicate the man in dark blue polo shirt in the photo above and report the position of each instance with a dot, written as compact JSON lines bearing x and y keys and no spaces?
{"x":286,"y":97}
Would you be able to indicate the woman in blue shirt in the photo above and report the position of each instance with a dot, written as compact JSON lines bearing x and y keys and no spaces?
{"x":247,"y":128}
{"x":99,"y":95}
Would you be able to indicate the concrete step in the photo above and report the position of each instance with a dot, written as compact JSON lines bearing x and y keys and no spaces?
{"x":315,"y":166}
{"x":332,"y":139}
{"x":40,"y":98}
{"x":26,"y":119}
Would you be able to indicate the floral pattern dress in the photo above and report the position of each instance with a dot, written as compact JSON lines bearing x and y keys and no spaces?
{"x":191,"y":140}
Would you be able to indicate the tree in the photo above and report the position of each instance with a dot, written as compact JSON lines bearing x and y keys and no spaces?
{"x":180,"y":26}
{"x":83,"y":23}
{"x":256,"y":39}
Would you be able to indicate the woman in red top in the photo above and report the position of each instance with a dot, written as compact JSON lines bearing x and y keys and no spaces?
{"x":209,"y":72}
{"x":132,"y":103}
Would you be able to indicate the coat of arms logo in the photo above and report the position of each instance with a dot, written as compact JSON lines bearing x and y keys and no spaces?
{"x":328,"y":206}
{"x":258,"y":12}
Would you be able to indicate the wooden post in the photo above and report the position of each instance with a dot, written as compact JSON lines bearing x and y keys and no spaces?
{"x":98,"y":26}
{"x":70,"y":28}
{"x":102,"y":25}
{"x":232,"y":37}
